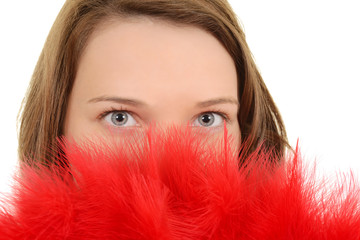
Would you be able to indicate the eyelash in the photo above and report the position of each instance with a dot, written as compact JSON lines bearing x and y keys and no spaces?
{"x":111,"y":110}
{"x":122,"y":109}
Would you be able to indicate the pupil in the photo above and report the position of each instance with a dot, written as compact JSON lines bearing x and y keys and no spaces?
{"x":119,"y":118}
{"x":207,"y":119}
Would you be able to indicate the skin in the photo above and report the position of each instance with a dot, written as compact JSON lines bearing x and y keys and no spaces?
{"x":139,"y":71}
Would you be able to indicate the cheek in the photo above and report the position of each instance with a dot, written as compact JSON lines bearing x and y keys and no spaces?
{"x":234,"y":133}
{"x":77,"y":126}
{"x":217,"y":138}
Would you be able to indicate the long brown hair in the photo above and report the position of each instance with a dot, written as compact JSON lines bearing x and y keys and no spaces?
{"x":46,"y":100}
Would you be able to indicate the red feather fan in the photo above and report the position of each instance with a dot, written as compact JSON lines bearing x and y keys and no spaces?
{"x":177,"y":186}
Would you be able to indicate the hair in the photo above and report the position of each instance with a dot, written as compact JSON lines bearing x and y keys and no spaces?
{"x":44,"y":106}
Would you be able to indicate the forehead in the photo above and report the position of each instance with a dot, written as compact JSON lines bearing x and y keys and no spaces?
{"x":152,"y":57}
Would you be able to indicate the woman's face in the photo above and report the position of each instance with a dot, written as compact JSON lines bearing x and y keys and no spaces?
{"x":141,"y":71}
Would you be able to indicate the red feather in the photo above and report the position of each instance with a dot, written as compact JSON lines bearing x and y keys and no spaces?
{"x":175,"y":186}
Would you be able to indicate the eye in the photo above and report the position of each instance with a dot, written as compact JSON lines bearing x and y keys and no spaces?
{"x":120,"y":119}
{"x":209,"y":119}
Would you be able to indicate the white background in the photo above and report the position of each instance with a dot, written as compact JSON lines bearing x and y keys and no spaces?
{"x":307,"y":51}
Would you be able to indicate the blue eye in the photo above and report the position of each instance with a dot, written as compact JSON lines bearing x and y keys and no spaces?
{"x":120,"y":119}
{"x":123,"y":118}
{"x":209,"y":120}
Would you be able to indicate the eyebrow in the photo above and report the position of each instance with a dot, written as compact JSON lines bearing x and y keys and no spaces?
{"x":138,"y":103}
{"x":217,"y":101}
{"x":127,"y":101}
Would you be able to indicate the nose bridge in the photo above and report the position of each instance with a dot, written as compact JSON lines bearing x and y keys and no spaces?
{"x":165,"y":125}
{"x":168,"y":113}
{"x":169,"y":119}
